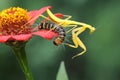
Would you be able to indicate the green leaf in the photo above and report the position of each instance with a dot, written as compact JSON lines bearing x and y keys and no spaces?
{"x":62,"y":74}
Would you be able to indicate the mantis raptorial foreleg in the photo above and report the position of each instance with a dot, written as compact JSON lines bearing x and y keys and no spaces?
{"x":76,"y":40}
{"x":75,"y":30}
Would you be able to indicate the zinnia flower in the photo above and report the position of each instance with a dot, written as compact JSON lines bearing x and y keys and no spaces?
{"x":16,"y":24}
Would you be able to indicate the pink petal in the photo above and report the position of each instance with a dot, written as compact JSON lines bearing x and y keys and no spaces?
{"x":36,"y":13}
{"x":46,"y":34}
{"x":22,"y":37}
{"x":4,"y":38}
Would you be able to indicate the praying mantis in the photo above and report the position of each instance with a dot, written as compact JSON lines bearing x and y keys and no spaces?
{"x":77,"y":29}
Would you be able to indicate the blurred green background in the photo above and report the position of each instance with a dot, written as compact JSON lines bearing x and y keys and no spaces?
{"x":101,"y":61}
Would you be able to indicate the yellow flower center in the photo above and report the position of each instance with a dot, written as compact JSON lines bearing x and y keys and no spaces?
{"x":13,"y":21}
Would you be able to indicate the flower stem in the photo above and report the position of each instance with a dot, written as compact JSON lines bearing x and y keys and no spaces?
{"x":22,"y":59}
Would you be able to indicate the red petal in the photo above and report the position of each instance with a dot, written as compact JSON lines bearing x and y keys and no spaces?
{"x":46,"y":34}
{"x":4,"y":38}
{"x":22,"y":37}
{"x":59,"y":15}
{"x":36,"y":13}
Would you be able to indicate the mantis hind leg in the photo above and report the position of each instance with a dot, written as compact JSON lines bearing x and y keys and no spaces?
{"x":68,"y":17}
